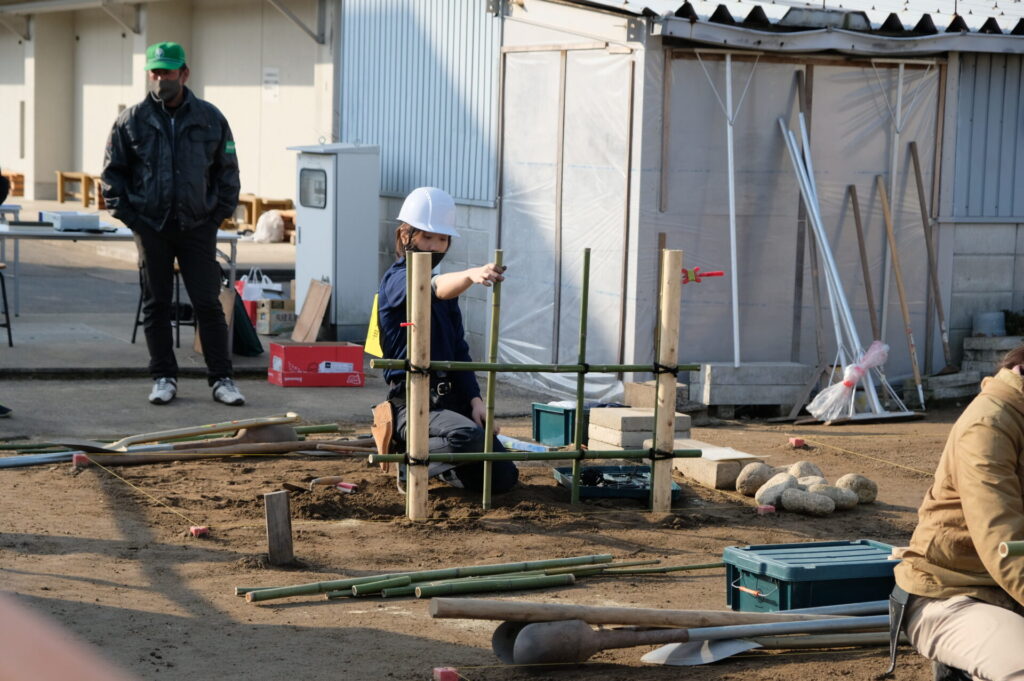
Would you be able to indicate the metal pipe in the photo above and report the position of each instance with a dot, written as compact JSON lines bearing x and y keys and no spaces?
{"x":732,"y":213}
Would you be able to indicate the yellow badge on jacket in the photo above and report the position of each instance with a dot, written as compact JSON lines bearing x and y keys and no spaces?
{"x":373,"y":346}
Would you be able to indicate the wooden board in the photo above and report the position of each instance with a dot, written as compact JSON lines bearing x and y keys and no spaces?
{"x":307,"y":326}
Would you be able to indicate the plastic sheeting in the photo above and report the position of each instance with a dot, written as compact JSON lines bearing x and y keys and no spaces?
{"x":541,"y":297}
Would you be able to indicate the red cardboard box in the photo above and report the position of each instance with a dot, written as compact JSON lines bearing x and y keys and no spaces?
{"x":316,"y":364}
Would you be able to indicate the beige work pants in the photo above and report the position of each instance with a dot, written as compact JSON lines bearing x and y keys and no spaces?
{"x":984,"y":640}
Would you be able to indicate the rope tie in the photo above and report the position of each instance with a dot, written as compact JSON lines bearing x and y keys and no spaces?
{"x":665,"y":369}
{"x":660,"y":454}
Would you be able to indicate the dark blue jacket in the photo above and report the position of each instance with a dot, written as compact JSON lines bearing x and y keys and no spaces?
{"x":447,"y":335}
{"x":155,"y":168}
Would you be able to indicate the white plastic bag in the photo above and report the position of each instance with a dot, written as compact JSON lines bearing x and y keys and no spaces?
{"x":256,"y":286}
{"x":269,"y":228}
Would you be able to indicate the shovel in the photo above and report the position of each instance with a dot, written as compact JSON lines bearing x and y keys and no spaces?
{"x":697,"y":653}
{"x":574,"y":641}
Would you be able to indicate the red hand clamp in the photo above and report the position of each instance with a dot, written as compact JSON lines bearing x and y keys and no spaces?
{"x":695,"y":275}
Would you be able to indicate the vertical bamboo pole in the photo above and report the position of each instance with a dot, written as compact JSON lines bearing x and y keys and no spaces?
{"x":492,"y":357}
{"x":668,"y":355}
{"x":418,"y":407}
{"x":581,"y":377}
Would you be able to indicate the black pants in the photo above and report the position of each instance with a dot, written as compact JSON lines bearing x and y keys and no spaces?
{"x":450,"y":431}
{"x":196,"y":253}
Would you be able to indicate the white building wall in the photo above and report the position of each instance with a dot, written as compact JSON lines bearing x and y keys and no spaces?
{"x":13,"y":99}
{"x":234,"y":43}
{"x":49,"y":73}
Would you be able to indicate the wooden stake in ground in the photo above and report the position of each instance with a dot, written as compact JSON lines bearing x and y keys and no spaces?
{"x":668,"y":355}
{"x":418,"y":306}
{"x":898,"y":273}
{"x":279,"y":528}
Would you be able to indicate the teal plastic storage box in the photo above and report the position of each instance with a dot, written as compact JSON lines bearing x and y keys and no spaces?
{"x":775,"y":577}
{"x":555,"y":426}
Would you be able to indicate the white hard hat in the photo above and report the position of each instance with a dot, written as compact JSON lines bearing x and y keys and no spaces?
{"x":431,"y":210}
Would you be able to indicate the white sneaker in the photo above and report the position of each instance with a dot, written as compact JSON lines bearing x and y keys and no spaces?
{"x":224,"y":390}
{"x":164,"y":390}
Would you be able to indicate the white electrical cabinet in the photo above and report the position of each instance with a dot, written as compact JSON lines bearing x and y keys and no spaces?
{"x":337,"y":218}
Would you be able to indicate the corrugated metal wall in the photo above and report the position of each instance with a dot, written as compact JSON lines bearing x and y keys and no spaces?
{"x":420,"y":79}
{"x":990,"y":137}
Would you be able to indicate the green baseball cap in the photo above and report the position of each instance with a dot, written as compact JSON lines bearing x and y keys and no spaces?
{"x":168,"y":56}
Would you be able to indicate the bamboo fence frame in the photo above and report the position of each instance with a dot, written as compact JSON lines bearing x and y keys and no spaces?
{"x":665,"y":367}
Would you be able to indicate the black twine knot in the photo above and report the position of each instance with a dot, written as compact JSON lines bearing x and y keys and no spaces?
{"x":665,"y":369}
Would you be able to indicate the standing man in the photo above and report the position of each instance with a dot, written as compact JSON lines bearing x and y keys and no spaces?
{"x":171,"y":175}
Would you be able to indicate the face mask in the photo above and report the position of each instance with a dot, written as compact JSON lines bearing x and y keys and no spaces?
{"x":165,"y":90}
{"x":435,"y":257}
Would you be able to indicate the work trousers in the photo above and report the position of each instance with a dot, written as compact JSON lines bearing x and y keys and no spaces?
{"x":450,"y":431}
{"x":982,"y":639}
{"x":196,"y":253}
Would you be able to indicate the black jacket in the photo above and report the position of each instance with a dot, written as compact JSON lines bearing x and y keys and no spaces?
{"x":153,"y":163}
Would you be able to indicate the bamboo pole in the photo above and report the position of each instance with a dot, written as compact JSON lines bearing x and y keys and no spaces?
{"x":666,"y":569}
{"x":898,"y":274}
{"x":501,"y":584}
{"x":525,"y":368}
{"x":418,"y":407}
{"x":665,"y":407}
{"x":1011,"y":548}
{"x":581,"y":378}
{"x":464,"y":457}
{"x":422,"y":575}
{"x":368,"y":588}
{"x":492,"y":358}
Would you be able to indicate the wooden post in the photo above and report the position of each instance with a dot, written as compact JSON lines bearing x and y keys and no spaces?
{"x":417,"y":437}
{"x":668,"y":354}
{"x":279,"y":528}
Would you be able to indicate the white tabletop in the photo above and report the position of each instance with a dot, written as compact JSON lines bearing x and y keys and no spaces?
{"x":119,"y":234}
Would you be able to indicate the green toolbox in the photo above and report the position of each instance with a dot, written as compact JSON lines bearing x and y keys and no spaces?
{"x":773,"y":577}
{"x":555,"y":425}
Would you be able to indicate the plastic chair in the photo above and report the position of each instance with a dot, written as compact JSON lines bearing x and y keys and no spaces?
{"x":176,"y":303}
{"x":7,"y":309}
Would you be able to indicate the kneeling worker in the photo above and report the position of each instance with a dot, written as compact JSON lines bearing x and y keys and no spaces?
{"x":964,"y":603}
{"x":457,"y":413}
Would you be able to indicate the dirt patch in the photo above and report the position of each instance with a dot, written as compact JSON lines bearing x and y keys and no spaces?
{"x":107,"y":553}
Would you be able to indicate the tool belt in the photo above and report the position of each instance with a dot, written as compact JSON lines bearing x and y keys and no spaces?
{"x":442,"y":390}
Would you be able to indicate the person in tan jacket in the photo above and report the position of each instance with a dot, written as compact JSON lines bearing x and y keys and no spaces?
{"x":966,"y":604}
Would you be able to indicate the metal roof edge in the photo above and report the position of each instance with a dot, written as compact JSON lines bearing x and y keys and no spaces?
{"x":838,"y":40}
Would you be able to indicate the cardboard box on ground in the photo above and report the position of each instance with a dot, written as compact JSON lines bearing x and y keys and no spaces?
{"x":303,"y":361}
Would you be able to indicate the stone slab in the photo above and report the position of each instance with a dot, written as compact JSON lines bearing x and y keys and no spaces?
{"x":630,"y":439}
{"x":984,"y":368}
{"x":754,"y":383}
{"x":751,"y":394}
{"x":631,"y":419}
{"x":717,"y":468}
{"x":954,"y":392}
{"x":598,"y":445}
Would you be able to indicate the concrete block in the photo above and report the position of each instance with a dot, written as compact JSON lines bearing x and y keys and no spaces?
{"x":985,"y":239}
{"x":752,"y":394}
{"x":963,"y":305}
{"x":982,"y":273}
{"x":753,"y":373}
{"x":717,"y":468}
{"x":955,"y":392}
{"x":952,"y":380}
{"x":629,"y":439}
{"x":1000,"y":344}
{"x":645,"y":394}
{"x":983,"y":368}
{"x":631,"y":419}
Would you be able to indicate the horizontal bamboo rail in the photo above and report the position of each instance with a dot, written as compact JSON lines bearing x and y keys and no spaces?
{"x":463,"y":457}
{"x":1011,"y":548}
{"x":436,"y":365}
